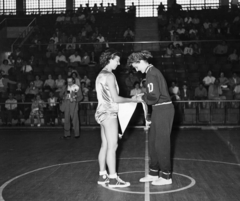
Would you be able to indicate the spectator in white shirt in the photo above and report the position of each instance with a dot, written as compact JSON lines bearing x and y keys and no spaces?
{"x":136,"y":90}
{"x":55,"y":38}
{"x":100,"y":38}
{"x":188,"y":50}
{"x":60,"y":19}
{"x":209,"y":79}
{"x":174,"y":91}
{"x":75,"y":59}
{"x":4,"y":68}
{"x":11,"y":110}
{"x":26,"y":68}
{"x":60,"y":58}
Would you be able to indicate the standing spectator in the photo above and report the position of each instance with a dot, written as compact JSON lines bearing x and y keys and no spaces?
{"x":24,"y":109}
{"x":31,"y":91}
{"x":37,"y":110}
{"x":60,"y":58}
{"x":4,"y":68}
{"x":52,"y":108}
{"x":215,"y":93}
{"x":10,"y":110}
{"x":49,"y":84}
{"x":75,"y":59}
{"x":38,"y":83}
{"x":209,"y":79}
{"x":136,"y":90}
{"x":71,"y":98}
{"x":185,"y":93}
{"x":101,"y":8}
{"x":160,"y":8}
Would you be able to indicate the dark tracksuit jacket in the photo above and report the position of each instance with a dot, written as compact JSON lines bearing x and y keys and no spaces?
{"x":161,"y":126}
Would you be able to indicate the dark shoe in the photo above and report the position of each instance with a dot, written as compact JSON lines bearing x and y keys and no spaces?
{"x":65,"y":137}
{"x":77,"y":137}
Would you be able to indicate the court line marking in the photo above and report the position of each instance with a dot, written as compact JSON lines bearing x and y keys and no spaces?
{"x":86,"y":161}
{"x":146,"y":185}
{"x":192,"y":183}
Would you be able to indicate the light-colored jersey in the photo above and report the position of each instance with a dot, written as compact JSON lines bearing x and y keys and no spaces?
{"x":106,"y":106}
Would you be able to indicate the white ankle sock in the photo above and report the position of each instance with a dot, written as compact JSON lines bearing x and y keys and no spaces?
{"x":113,"y":176}
{"x":102,"y":172}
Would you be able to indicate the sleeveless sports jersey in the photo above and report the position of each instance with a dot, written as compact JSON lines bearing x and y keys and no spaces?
{"x":107,"y":108}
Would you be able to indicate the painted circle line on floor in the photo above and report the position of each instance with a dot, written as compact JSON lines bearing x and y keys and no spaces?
{"x":192,"y":183}
{"x":88,"y":161}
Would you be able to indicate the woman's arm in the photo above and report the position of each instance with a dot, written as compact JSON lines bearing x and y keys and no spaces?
{"x":113,"y":91}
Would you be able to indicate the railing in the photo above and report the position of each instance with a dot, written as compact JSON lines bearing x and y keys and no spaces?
{"x":220,"y":113}
{"x":3,"y":24}
{"x":24,"y":35}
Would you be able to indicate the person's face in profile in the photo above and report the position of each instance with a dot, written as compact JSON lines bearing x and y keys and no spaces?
{"x":115,"y":62}
{"x":139,"y":66}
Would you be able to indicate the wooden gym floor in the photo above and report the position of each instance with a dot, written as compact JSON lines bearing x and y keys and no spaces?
{"x":35,"y":165}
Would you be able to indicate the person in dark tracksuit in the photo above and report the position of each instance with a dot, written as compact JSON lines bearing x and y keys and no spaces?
{"x":71,"y":97}
{"x":157,"y":95}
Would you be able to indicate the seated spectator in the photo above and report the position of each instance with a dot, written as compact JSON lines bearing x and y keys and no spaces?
{"x":195,"y":20}
{"x":178,"y":51}
{"x":83,"y":34}
{"x":193,"y":32}
{"x":59,"y":83}
{"x":136,"y":89}
{"x":86,"y":80}
{"x":236,"y":92}
{"x":60,"y":58}
{"x":196,"y":49}
{"x":4,"y":84}
{"x":174,"y":92}
{"x":128,"y":35}
{"x":181,"y":32}
{"x":24,"y":109}
{"x":38,"y":83}
{"x":67,"y":19}
{"x":85,"y":59}
{"x":169,"y":50}
{"x":188,"y":50}
{"x":4,"y":68}
{"x":10,"y":110}
{"x":26,"y":68}
{"x":200,"y":92}
{"x":215,"y":91}
{"x":51,"y":48}
{"x":88,"y":28}
{"x":223,"y":81}
{"x":221,"y":49}
{"x":11,"y":61}
{"x":209,"y":79}
{"x":81,"y":18}
{"x":85,"y":92}
{"x":51,"y":109}
{"x":49,"y":84}
{"x":74,"y":19}
{"x":75,"y":59}
{"x":233,"y":57}
{"x":60,"y":19}
{"x":185,"y":93}
{"x":71,"y":70}
{"x":100,"y":38}
{"x":18,"y":64}
{"x":143,"y":86}
{"x":130,"y":80}
{"x":76,"y":78}
{"x":37,"y":110}
{"x":234,"y":81}
{"x":31,"y":91}
{"x":17,"y":53}
{"x":54,"y":38}
{"x":18,"y":91}
{"x":206,"y":24}
{"x":63,"y":38}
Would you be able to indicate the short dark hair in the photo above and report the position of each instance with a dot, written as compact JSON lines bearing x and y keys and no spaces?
{"x":136,"y":57}
{"x":107,"y":55}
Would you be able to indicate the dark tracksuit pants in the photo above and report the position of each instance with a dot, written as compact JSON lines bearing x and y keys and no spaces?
{"x":71,"y":113}
{"x":159,"y":140}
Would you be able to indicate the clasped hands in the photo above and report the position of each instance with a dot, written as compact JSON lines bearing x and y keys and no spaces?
{"x":138,"y":97}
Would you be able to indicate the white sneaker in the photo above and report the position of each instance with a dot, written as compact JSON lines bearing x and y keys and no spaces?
{"x":161,"y":181}
{"x":117,"y":183}
{"x":149,"y":178}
